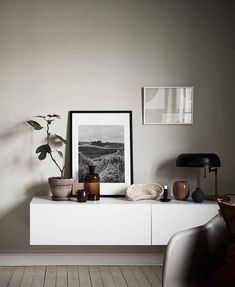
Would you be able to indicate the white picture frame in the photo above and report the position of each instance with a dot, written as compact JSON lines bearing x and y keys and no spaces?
{"x":168,"y":105}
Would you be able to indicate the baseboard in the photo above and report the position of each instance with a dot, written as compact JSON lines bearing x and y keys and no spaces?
{"x":81,"y":259}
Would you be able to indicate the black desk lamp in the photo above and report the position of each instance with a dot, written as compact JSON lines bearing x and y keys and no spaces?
{"x":210,"y":160}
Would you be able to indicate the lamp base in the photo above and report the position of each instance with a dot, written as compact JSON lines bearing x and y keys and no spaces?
{"x":215,"y":197}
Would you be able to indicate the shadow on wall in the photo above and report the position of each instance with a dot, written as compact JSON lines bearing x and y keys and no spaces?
{"x":168,"y":170}
{"x":14,"y":218}
{"x":8,"y":133}
{"x":14,"y":225}
{"x":18,"y":139}
{"x":67,"y":159}
{"x":12,"y":138}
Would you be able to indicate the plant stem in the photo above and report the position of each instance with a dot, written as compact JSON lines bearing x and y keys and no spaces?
{"x":61,"y":170}
{"x":48,"y":142}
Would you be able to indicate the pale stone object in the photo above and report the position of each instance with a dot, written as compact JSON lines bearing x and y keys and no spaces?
{"x":144,"y":191}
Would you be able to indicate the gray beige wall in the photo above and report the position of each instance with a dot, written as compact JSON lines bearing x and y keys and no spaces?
{"x":58,"y":55}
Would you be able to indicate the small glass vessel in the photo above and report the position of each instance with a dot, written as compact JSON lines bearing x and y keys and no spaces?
{"x":81,"y":195}
{"x":92,"y":184}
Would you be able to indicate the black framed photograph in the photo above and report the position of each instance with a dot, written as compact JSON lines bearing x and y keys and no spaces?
{"x":103,"y":139}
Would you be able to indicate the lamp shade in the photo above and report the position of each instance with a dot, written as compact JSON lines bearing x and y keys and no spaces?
{"x":198,"y":160}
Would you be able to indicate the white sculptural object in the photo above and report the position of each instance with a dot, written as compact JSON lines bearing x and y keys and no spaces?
{"x":144,"y":191}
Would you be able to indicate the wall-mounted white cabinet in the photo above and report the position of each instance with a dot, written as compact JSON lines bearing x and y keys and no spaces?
{"x":168,"y":219}
{"x":113,"y":221}
{"x":105,"y":222}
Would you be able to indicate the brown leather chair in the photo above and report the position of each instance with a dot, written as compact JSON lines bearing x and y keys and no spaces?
{"x":191,"y":255}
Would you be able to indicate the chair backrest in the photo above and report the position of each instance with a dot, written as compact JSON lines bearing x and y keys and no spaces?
{"x":193,"y":253}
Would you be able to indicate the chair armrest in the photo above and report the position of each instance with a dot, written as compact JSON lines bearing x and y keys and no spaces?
{"x":191,"y":254}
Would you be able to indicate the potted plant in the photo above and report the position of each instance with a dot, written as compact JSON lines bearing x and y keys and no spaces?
{"x":60,"y":186}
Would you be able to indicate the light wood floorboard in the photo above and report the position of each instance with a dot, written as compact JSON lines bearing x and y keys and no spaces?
{"x":84,"y":276}
{"x":151,"y":276}
{"x":118,"y":276}
{"x":81,"y":276}
{"x":107,"y":277}
{"x":129,"y":276}
{"x":140,"y":277}
{"x":50,"y":278}
{"x":73,"y":279}
{"x":16,"y":277}
{"x":39,"y":276}
{"x":61,"y":276}
{"x":95,"y":275}
{"x":5,"y":275}
{"x":158,"y":271}
{"x":27,"y":279}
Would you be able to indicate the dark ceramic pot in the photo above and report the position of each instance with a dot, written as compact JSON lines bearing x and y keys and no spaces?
{"x":198,"y":195}
{"x":81,"y":195}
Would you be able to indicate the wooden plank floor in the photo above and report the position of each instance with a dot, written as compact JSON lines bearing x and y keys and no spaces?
{"x":81,"y":276}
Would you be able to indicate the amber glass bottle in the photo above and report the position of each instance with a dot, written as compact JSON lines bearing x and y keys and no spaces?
{"x":92,"y":184}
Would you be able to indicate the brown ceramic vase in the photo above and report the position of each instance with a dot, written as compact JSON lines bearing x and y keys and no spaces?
{"x":181,"y":190}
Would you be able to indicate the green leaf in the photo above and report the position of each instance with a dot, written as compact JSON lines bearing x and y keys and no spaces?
{"x":60,"y":153}
{"x":54,"y":116}
{"x":43,"y":150}
{"x":48,"y":148}
{"x":60,"y":138}
{"x":43,"y":117}
{"x":35,"y":125}
{"x":42,"y":155}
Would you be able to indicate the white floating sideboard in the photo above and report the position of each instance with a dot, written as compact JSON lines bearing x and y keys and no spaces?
{"x":113,"y":221}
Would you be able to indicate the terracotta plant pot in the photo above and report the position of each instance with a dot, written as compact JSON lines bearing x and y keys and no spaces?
{"x":181,"y":190}
{"x":60,"y":187}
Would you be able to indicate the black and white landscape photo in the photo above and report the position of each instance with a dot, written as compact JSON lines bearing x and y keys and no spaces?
{"x":103,"y":147}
